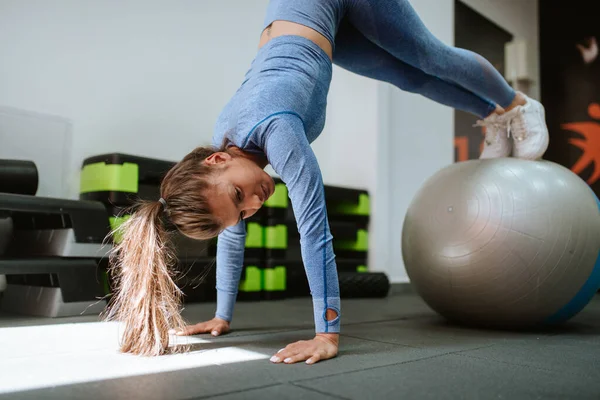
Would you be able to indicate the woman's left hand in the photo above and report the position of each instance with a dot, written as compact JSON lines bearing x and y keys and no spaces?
{"x":322,"y":347}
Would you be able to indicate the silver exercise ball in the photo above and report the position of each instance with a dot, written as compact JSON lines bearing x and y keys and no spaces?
{"x":504,"y":242}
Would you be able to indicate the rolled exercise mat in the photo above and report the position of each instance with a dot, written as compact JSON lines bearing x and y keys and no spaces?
{"x":18,"y":177}
{"x":5,"y":237}
{"x":363,"y":284}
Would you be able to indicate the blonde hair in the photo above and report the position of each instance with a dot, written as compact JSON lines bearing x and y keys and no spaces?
{"x":147,"y":301}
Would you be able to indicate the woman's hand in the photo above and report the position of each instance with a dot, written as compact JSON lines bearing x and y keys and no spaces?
{"x":322,"y":347}
{"x":215,"y":327}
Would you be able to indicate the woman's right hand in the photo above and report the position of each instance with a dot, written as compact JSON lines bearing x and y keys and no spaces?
{"x":215,"y":327}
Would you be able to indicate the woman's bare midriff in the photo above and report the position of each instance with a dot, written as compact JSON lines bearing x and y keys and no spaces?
{"x":281,"y":28}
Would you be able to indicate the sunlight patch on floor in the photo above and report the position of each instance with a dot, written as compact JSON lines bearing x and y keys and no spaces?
{"x":35,"y":357}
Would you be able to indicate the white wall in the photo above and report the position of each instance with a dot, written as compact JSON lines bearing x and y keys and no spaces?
{"x":144,"y":76}
{"x":520,"y":18}
{"x":419,"y":141}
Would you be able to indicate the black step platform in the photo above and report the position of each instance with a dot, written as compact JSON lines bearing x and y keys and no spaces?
{"x":44,"y":226}
{"x":186,"y":248}
{"x":52,"y":286}
{"x":121,"y":179}
{"x":195,"y":277}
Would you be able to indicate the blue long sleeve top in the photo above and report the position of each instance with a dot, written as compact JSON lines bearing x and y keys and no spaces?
{"x":278,"y":111}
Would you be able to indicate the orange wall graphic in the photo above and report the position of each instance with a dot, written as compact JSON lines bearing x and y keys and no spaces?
{"x":589,"y":143}
{"x":570,"y":85}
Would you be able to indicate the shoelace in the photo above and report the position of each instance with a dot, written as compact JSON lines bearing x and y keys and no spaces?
{"x":492,"y":134}
{"x":521,"y":129}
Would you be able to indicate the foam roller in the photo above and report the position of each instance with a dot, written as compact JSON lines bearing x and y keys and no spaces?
{"x":363,"y":284}
{"x":18,"y":177}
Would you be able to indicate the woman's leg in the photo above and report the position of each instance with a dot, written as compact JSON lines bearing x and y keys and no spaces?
{"x":355,"y":53}
{"x":395,"y":26}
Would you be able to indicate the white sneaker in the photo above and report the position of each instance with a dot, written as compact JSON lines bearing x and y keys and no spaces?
{"x":528,"y":130}
{"x":497,"y":143}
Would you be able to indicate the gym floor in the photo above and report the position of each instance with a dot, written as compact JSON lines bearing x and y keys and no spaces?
{"x":392,"y":348}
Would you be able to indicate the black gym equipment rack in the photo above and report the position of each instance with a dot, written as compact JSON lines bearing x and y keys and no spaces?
{"x":54,"y":251}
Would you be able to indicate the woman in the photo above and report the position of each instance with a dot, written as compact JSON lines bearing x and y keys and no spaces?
{"x":273,"y":117}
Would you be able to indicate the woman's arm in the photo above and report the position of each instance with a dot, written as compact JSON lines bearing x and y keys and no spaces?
{"x":230,"y":257}
{"x":230,"y":260}
{"x":289,"y":153}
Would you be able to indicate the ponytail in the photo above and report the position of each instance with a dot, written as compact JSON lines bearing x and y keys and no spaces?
{"x":146,"y":300}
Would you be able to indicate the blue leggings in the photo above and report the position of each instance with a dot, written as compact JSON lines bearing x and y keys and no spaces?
{"x":386,"y":40}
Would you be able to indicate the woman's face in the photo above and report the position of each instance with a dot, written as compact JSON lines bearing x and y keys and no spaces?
{"x":240,"y":188}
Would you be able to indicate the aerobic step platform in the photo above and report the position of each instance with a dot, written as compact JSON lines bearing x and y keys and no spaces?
{"x":279,"y":279}
{"x":345,"y":204}
{"x":52,"y":287}
{"x":185,"y":247}
{"x":120,"y":179}
{"x":251,"y":282}
{"x":282,"y":240}
{"x":277,"y":205}
{"x":55,"y":227}
{"x":262,"y":281}
{"x":255,"y":238}
{"x":196,"y":277}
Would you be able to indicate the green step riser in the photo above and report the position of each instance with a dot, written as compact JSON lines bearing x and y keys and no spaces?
{"x":279,"y":198}
{"x":277,"y":239}
{"x":360,"y":244}
{"x":255,"y":236}
{"x":101,"y":177}
{"x":253,"y":281}
{"x":115,"y":223}
{"x":271,"y":279}
{"x":362,"y":208}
